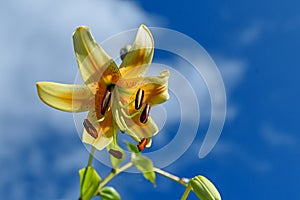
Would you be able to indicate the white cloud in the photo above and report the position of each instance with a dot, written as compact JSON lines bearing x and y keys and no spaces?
{"x":277,"y":138}
{"x":251,"y":33}
{"x":241,"y":155}
{"x":36,"y":45}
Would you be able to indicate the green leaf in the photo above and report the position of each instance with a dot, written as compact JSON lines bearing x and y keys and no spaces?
{"x":89,"y":182}
{"x":204,"y":189}
{"x":109,"y":193}
{"x":115,"y":152}
{"x":132,"y":148}
{"x":145,"y":165}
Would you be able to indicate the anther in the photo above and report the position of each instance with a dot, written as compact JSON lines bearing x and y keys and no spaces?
{"x":145,"y":114}
{"x":142,"y":144}
{"x":139,"y":97}
{"x":115,"y":153}
{"x":105,"y":102}
{"x":90,"y":128}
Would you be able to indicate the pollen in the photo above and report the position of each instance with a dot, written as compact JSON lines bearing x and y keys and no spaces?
{"x":90,"y":128}
{"x":115,"y":153}
{"x":142,"y":144}
{"x":105,"y":102}
{"x":139,"y":99}
{"x":145,"y":114}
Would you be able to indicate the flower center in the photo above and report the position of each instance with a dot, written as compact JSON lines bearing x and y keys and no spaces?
{"x":138,"y":103}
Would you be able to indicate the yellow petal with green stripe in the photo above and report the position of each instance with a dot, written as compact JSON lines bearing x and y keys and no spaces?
{"x":65,"y":97}
{"x":93,"y":62}
{"x":139,"y":57}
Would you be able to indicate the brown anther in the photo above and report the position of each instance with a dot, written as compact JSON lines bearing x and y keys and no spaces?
{"x":115,"y":153}
{"x":139,"y":97}
{"x":142,"y":144}
{"x":145,"y":114}
{"x":90,"y":128}
{"x":105,"y":101}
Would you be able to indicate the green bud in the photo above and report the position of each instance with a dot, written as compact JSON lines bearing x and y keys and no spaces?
{"x":204,"y":189}
{"x":109,"y":193}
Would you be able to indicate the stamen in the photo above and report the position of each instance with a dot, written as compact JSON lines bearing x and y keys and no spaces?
{"x":139,"y":97}
{"x":90,"y":128}
{"x":120,"y":124}
{"x":125,"y":106}
{"x":115,"y":153}
{"x":130,"y":116}
{"x":145,"y":114}
{"x":142,"y":144}
{"x":105,"y":101}
{"x":131,"y":133}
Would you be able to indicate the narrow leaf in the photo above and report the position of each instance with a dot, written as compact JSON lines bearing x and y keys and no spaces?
{"x":89,"y":182}
{"x":132,"y":148}
{"x":145,"y":165}
{"x":109,"y":193}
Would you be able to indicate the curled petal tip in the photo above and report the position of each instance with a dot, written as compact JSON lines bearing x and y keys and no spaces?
{"x":80,"y":28}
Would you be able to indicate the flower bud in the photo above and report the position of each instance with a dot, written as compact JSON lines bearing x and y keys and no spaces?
{"x":204,"y":189}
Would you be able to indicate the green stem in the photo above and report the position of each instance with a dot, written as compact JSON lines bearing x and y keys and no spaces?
{"x":171,"y":176}
{"x":186,"y":192}
{"x":113,"y":174}
{"x":91,"y":156}
{"x":88,"y":165}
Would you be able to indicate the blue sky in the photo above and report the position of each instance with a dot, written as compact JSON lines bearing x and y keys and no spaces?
{"x":255,"y":46}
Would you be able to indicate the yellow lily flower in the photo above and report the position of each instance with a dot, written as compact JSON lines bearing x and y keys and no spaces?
{"x":115,"y":98}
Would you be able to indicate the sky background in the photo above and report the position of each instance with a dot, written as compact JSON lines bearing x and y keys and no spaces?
{"x":255,"y":45}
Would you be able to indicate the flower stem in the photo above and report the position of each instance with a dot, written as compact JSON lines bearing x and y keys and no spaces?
{"x":171,"y":176}
{"x":186,"y":192}
{"x":113,"y":174}
{"x":88,"y":165}
{"x":91,"y":156}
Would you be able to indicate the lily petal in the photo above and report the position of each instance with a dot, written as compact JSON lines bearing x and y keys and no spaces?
{"x":155,"y":88}
{"x":93,"y":62}
{"x":139,"y":57}
{"x":65,"y":97}
{"x":105,"y":133}
{"x":138,"y":130}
